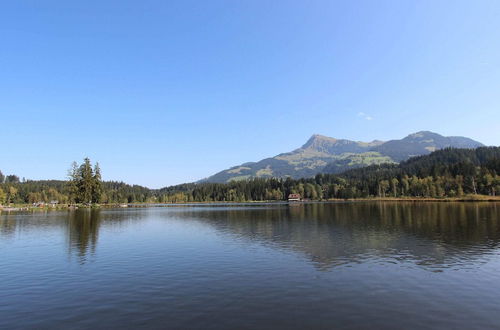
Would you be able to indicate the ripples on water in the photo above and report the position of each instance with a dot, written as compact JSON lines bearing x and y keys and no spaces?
{"x":345,"y":265}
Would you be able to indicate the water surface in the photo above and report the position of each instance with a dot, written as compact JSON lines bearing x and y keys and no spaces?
{"x":344,"y":265}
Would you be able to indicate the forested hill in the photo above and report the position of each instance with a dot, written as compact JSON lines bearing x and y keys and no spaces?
{"x":444,"y":173}
{"x":449,"y":161}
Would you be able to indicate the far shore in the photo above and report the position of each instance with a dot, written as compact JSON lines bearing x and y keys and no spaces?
{"x":468,"y":198}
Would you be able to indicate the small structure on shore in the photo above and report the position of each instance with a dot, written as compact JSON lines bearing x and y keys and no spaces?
{"x":294,"y":198}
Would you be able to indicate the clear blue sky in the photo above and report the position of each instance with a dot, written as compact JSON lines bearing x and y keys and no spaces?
{"x":165,"y":92}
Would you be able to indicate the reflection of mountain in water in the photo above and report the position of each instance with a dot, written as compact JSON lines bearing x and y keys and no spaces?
{"x":428,"y":234}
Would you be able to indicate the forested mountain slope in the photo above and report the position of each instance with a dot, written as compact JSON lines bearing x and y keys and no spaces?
{"x":322,"y":154}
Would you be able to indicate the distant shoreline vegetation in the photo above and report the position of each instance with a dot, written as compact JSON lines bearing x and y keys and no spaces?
{"x":453,"y":174}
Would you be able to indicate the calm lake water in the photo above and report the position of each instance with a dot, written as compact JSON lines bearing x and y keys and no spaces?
{"x":345,"y":265}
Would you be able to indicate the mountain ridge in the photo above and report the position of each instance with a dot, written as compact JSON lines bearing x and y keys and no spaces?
{"x":324,"y":154}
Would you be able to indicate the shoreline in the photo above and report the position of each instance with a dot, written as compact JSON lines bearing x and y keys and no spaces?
{"x":469,"y":198}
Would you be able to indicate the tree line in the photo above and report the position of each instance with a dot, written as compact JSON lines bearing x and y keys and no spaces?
{"x":443,"y":173}
{"x":84,"y":186}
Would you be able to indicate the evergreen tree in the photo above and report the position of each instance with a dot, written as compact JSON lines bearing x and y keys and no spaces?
{"x":12,"y":179}
{"x":85,"y":184}
{"x":73,"y":183}
{"x":3,"y":195}
{"x":97,"y":187}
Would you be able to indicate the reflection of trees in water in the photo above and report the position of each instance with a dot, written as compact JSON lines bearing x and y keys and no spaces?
{"x":80,"y":226}
{"x":429,"y":234}
{"x":7,"y":225}
{"x":83,"y":231}
{"x":84,"y":224}
{"x":16,"y":222}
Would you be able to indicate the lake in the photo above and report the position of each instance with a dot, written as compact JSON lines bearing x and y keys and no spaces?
{"x":359,"y":265}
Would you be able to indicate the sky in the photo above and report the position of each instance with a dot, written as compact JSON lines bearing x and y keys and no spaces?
{"x":166,"y":92}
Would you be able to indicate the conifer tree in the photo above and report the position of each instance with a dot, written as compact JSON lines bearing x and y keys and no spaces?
{"x":85,"y":184}
{"x":97,"y":188}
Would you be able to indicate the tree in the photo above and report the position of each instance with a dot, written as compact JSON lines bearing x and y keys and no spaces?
{"x":2,"y":177}
{"x":12,"y":179}
{"x":34,"y":197}
{"x":382,"y":188}
{"x":11,"y":194}
{"x":3,"y":195}
{"x":394,"y":187}
{"x":97,"y":184}
{"x":73,"y":182}
{"x":85,"y":184}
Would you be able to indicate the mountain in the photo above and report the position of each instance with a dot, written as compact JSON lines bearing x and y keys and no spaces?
{"x":422,"y":143}
{"x":322,"y":154}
